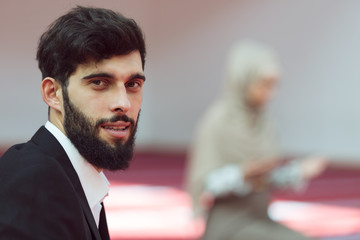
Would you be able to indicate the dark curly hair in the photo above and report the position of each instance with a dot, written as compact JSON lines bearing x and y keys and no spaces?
{"x":86,"y":34}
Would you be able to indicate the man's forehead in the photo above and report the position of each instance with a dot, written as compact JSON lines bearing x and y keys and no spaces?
{"x":119,"y":64}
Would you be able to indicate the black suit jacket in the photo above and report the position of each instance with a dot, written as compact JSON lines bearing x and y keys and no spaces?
{"x":41,"y":196}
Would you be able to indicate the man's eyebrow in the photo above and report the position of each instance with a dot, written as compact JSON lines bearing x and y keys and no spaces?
{"x":137,"y":76}
{"x":107,"y":75}
{"x":98,"y":75}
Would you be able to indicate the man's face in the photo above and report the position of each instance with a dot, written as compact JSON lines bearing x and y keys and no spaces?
{"x":101,"y":108}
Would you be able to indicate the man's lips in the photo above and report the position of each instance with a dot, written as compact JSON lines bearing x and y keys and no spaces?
{"x":118,"y":129}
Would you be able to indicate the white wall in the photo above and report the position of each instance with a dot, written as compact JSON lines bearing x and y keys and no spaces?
{"x":316,"y":108}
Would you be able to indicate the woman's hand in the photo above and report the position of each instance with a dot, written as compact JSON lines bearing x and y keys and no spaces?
{"x":259,"y":168}
{"x":257,"y":171}
{"x":313,"y":166}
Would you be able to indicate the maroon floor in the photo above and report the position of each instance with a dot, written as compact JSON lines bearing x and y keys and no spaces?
{"x":149,"y":202}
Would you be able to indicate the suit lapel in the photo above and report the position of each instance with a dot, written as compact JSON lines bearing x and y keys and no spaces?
{"x":49,"y":144}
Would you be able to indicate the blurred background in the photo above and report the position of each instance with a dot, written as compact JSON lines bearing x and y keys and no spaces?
{"x":315,"y":108}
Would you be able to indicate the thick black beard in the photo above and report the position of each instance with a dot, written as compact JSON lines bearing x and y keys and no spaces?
{"x":84,"y":135}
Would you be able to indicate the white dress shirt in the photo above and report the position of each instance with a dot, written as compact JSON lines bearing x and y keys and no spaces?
{"x":94,"y":184}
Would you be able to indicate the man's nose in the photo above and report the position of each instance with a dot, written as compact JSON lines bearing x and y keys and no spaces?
{"x":120,"y":102}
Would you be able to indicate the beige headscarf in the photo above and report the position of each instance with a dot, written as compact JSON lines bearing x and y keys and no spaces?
{"x":231,"y":132}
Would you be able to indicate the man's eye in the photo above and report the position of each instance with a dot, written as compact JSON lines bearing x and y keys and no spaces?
{"x":133,"y":84}
{"x":99,"y":83}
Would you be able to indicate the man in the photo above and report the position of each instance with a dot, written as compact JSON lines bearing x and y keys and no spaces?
{"x":52,"y":187}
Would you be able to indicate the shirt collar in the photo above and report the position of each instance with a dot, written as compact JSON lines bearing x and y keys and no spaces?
{"x":94,"y":184}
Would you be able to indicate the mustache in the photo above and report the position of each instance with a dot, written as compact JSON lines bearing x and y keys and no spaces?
{"x":115,"y":118}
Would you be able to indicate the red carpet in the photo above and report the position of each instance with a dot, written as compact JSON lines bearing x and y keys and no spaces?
{"x":148,"y":202}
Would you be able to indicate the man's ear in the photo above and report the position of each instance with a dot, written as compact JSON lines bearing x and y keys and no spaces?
{"x":51,"y":93}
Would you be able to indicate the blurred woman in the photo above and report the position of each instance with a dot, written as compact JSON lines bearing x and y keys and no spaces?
{"x":235,"y":162}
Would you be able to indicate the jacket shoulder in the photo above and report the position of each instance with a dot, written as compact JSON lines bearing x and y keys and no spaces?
{"x":38,"y":198}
